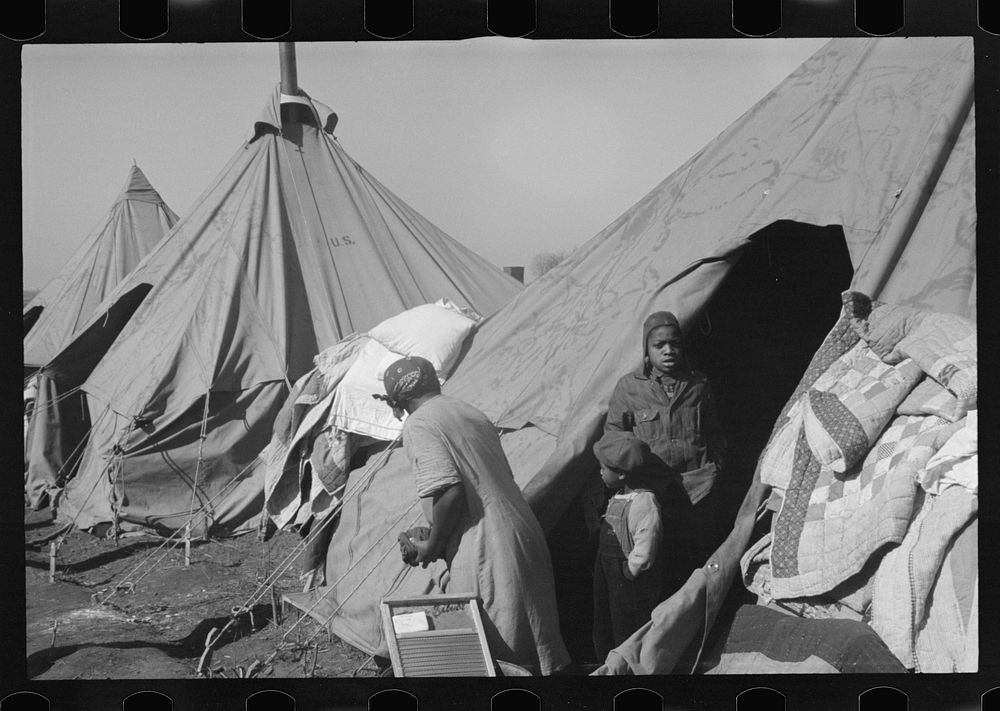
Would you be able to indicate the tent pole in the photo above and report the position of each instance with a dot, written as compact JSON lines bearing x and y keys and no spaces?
{"x":289,"y":72}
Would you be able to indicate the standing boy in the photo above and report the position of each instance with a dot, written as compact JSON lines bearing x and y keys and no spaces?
{"x":670,"y":407}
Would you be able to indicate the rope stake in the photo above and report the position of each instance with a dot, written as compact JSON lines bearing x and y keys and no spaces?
{"x":303,"y":545}
{"x":130,"y":586}
{"x":197,"y":473}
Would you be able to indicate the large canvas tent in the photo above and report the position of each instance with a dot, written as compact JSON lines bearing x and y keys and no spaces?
{"x":293,"y":247}
{"x":135,"y":223}
{"x":856,"y":171}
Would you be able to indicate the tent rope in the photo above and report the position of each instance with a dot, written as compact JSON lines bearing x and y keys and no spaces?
{"x":300,"y":547}
{"x":197,"y":469}
{"x":367,"y":575}
{"x":287,"y":561}
{"x":270,"y":658}
{"x":71,"y":526}
{"x":118,"y":480}
{"x":113,"y":459}
{"x":59,"y":398}
{"x":328,"y":518}
{"x":76,"y":449}
{"x":122,"y":584}
{"x":330,"y":588}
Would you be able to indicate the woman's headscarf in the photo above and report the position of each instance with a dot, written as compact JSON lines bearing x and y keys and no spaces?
{"x":408,"y":378}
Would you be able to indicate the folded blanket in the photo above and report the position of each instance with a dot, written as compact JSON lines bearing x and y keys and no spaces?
{"x":948,"y":639}
{"x":284,"y":460}
{"x":957,"y":462}
{"x":765,"y":641}
{"x":280,"y":456}
{"x":295,"y":430}
{"x":334,"y":362}
{"x":850,"y":600}
{"x":924,"y":600}
{"x":931,"y":398}
{"x":942,"y":345}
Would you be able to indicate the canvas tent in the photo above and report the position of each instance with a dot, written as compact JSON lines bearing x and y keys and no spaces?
{"x":129,"y":230}
{"x":292,"y":247}
{"x":864,"y":157}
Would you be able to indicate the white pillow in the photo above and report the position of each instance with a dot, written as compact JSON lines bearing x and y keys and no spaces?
{"x":354,"y":409}
{"x":434,"y":331}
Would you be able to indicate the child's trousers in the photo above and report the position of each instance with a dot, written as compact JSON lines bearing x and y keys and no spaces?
{"x":621,"y":606}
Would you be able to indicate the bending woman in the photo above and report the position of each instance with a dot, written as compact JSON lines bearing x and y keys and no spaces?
{"x":480,"y":523}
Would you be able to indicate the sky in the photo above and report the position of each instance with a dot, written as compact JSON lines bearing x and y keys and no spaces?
{"x":514,"y":147}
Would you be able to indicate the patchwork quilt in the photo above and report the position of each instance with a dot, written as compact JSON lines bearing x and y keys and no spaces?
{"x":886,"y":390}
{"x":830,"y":524}
{"x":873,"y":468}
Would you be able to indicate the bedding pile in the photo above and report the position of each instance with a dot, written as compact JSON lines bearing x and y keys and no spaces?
{"x":330,"y":414}
{"x":873,"y":469}
{"x":763,"y":639}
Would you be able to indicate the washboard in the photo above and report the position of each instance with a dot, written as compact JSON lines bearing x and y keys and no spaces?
{"x":436,"y":635}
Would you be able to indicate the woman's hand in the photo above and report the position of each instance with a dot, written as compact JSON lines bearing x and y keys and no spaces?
{"x":446,"y":511}
{"x":424,"y":553}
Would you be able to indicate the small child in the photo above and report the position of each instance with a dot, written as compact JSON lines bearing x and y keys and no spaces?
{"x":627,"y":581}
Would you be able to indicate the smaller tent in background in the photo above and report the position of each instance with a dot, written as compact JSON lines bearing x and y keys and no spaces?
{"x":130,"y":230}
{"x":136,"y":222}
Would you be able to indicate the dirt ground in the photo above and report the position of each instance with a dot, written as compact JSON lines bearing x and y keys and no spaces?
{"x":158,"y":628}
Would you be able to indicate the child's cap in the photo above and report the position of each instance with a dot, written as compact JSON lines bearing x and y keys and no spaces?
{"x":657,"y":319}
{"x":622,"y":451}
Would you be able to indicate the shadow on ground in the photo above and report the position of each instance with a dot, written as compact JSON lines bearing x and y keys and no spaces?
{"x":188,"y":648}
